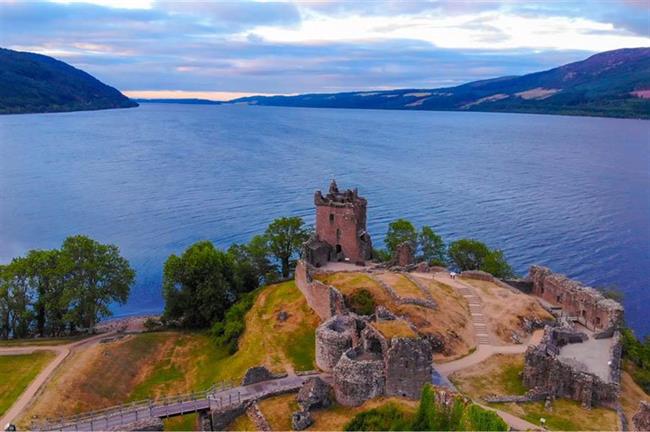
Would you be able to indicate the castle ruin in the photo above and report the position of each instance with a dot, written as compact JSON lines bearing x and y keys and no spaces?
{"x":340,"y":228}
{"x":367,"y":358}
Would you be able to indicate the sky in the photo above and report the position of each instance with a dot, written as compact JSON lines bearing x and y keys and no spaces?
{"x":227,"y":49}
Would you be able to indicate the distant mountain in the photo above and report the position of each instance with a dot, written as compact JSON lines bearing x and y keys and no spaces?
{"x":613,"y":84}
{"x":32,"y":83}
{"x":191,"y":101}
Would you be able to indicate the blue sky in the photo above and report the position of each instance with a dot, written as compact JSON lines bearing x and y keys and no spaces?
{"x":224,"y":49}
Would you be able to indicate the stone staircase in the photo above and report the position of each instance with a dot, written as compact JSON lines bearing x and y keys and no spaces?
{"x":476,"y":311}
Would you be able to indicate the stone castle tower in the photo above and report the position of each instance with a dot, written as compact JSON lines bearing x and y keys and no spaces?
{"x":340,"y":228}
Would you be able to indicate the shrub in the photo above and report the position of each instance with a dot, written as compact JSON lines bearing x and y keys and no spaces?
{"x":469,"y":254}
{"x":388,"y":417}
{"x":361,"y":302}
{"x":637,"y":353}
{"x":228,"y":331}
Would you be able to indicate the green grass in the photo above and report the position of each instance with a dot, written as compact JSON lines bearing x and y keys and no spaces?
{"x":511,"y":380}
{"x":16,"y":372}
{"x":180,"y":423}
{"x":41,"y":341}
{"x":568,"y":415}
{"x":301,"y":349}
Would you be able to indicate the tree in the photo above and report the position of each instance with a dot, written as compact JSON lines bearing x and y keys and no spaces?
{"x":432,"y":247}
{"x":96,"y":276}
{"x":46,"y":277}
{"x":200,"y":285}
{"x":400,"y":231}
{"x":285,"y":237}
{"x":254,"y":256}
{"x":20,"y":297}
{"x":496,"y":264}
{"x":468,"y":254}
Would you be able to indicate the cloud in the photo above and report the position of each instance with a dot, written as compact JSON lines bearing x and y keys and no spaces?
{"x":291,"y":47}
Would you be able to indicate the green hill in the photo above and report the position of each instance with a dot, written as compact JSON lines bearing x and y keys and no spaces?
{"x":33,"y":83}
{"x":614,"y":84}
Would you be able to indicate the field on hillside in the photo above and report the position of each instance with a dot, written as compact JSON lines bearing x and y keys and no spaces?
{"x":151,"y":365}
{"x":450,"y":321}
{"x":16,"y":372}
{"x":501,"y":375}
{"x":631,"y":395}
{"x":505,"y":309}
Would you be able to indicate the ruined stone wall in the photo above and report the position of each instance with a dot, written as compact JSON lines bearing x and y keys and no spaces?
{"x":641,"y":418}
{"x":408,"y":367}
{"x":404,"y":255}
{"x":325,"y":300}
{"x":333,"y":338}
{"x":358,"y":376}
{"x":545,"y":373}
{"x":584,"y":303}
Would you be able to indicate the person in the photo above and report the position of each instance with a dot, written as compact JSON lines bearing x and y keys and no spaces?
{"x":452,"y":275}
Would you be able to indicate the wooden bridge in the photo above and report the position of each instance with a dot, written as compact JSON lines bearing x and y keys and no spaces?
{"x":217,"y":397}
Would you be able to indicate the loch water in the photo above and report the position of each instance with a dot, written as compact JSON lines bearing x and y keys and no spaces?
{"x":572,"y":193}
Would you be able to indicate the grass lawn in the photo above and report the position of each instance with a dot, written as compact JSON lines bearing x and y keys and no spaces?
{"x":180,"y":423}
{"x":152,"y":365}
{"x":402,"y":285}
{"x":16,"y":372}
{"x":337,"y":416}
{"x":278,"y":409}
{"x":41,"y":341}
{"x":500,"y":375}
{"x":631,"y":393}
{"x":242,"y":423}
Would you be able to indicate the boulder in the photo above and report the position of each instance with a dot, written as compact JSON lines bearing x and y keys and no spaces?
{"x":315,"y":393}
{"x":301,"y":420}
{"x":256,"y":374}
{"x":641,"y":419}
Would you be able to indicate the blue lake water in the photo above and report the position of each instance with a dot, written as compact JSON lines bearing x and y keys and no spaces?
{"x":568,"y":192}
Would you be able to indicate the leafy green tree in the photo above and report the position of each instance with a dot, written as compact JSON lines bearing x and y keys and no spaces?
{"x":256,"y":254}
{"x":361,"y":302}
{"x":496,"y":264}
{"x":200,"y":285}
{"x":285,"y":237}
{"x":47,"y":274}
{"x":4,"y":303}
{"x":426,"y":417}
{"x":19,"y":297}
{"x":96,"y":276}
{"x":432,"y":247}
{"x":468,"y":254}
{"x":400,"y":231}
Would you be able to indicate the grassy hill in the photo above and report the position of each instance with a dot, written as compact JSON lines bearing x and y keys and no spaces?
{"x":614,"y":84}
{"x":34,"y":83}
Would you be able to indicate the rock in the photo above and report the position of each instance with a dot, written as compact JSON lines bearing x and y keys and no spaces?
{"x":641,"y":419}
{"x":282,"y":316}
{"x":548,"y":404}
{"x":315,"y":393}
{"x":404,"y":254}
{"x":515,"y":338}
{"x":301,"y":420}
{"x":422,"y":267}
{"x":256,"y":374}
{"x":384,"y":314}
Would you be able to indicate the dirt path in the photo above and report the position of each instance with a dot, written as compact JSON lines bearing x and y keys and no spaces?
{"x":62,"y":352}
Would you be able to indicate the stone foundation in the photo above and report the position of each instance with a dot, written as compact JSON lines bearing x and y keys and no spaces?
{"x":333,"y":338}
{"x":358,"y":376}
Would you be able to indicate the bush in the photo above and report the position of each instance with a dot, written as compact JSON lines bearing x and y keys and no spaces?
{"x":361,"y":302}
{"x":637,"y":353}
{"x":388,"y":417}
{"x":228,"y":331}
{"x":430,"y":415}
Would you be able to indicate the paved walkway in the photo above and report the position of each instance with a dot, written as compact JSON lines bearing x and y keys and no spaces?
{"x":61,"y":351}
